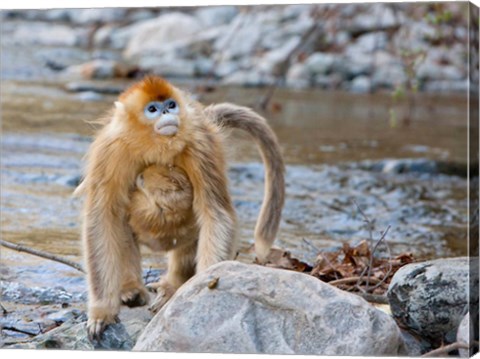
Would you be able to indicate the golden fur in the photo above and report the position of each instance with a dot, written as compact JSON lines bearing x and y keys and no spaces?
{"x":167,"y":192}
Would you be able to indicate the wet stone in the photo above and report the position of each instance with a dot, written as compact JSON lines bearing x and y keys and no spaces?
{"x":263,"y":310}
{"x":431,"y":298}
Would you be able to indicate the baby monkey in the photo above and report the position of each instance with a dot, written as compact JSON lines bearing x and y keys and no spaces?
{"x":156,"y":175}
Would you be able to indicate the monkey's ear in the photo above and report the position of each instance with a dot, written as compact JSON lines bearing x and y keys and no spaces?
{"x":140,"y":181}
{"x":119,"y":106}
{"x":120,"y":109}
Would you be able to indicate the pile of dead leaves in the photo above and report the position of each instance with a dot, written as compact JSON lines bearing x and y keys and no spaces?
{"x":354,"y":269}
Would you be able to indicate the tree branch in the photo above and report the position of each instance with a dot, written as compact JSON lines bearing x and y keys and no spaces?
{"x":38,"y":253}
{"x":446,"y":349}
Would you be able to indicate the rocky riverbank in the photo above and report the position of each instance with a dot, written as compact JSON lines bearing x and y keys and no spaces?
{"x":254,"y":309}
{"x":355,"y":47}
{"x":343,"y":153}
{"x":423,"y":200}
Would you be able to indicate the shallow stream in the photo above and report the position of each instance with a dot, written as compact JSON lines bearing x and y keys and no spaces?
{"x":340,"y":149}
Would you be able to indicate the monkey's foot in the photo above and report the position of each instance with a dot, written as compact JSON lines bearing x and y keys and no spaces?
{"x":164,"y":292}
{"x":134,"y":297}
{"x":96,"y":325}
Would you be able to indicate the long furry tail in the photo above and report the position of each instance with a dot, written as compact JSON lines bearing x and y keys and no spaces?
{"x":233,"y":116}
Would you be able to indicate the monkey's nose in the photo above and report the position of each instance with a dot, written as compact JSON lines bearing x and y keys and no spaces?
{"x":167,"y":125}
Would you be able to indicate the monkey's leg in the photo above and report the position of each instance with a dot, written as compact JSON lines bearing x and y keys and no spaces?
{"x":104,"y":245}
{"x":106,"y":235}
{"x":133,"y":292}
{"x":181,"y":267}
{"x":212,"y":204}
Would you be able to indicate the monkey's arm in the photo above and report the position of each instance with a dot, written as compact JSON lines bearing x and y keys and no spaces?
{"x":234,"y":116}
{"x":205,"y":166}
{"x":106,"y":235}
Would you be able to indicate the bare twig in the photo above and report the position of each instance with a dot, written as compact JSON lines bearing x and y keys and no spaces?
{"x":38,"y":253}
{"x":314,"y":247}
{"x":282,"y":68}
{"x":446,"y":349}
{"x":372,"y":255}
{"x":324,"y":257}
{"x":374,"y":298}
{"x":390,"y":267}
{"x":371,"y":226}
{"x":13,"y":329}
{"x":351,"y":280}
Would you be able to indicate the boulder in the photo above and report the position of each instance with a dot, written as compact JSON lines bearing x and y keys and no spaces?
{"x":97,"y":15}
{"x":321,"y":63}
{"x":241,"y":38}
{"x":361,"y":84}
{"x":429,"y":70}
{"x":273,"y":61}
{"x":98,"y":69}
{"x":431,"y":298}
{"x":211,"y":16}
{"x":375,"y":17}
{"x":357,"y":64}
{"x":255,"y":309}
{"x":369,"y":43}
{"x":167,"y":66}
{"x":157,"y":35}
{"x":389,"y":76}
{"x":298,"y":76}
{"x":45,"y":34}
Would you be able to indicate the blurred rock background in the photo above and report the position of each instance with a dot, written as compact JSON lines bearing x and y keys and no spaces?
{"x":362,"y":48}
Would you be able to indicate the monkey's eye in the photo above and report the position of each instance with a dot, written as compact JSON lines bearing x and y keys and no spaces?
{"x":171,"y":106}
{"x":153,"y":110}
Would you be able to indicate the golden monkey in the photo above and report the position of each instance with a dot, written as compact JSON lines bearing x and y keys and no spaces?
{"x":156,"y":175}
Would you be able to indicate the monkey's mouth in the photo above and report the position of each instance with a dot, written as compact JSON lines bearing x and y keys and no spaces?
{"x":167,"y":125}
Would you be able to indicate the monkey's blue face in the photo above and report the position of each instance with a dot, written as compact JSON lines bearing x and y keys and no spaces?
{"x":165,"y":115}
{"x":155,"y":109}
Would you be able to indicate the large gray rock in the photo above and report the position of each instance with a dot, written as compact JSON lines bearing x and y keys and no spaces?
{"x":45,"y":34}
{"x":157,"y":35}
{"x":368,"y":43}
{"x":430,"y":70}
{"x":361,"y":84}
{"x":255,"y":309}
{"x":97,"y":15}
{"x":431,"y":298}
{"x":389,"y":76}
{"x":241,"y":38}
{"x":168,"y":66}
{"x":216,"y":15}
{"x":273,"y":61}
{"x":321,"y":63}
{"x":376,"y":16}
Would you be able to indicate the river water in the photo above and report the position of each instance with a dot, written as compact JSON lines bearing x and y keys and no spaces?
{"x":339,"y":149}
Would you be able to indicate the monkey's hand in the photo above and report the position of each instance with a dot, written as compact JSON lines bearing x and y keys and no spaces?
{"x":98,"y":320}
{"x":164,"y":292}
